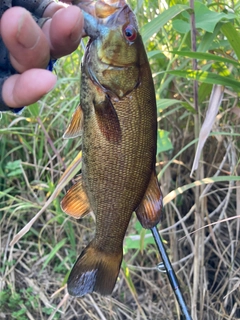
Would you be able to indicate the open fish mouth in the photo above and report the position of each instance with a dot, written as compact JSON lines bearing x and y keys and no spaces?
{"x":101,"y":13}
{"x":112,"y":13}
{"x":120,"y":17}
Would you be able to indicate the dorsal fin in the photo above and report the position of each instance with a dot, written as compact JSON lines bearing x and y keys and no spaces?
{"x":104,"y":10}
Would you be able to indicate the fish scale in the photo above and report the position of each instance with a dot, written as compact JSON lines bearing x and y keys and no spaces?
{"x":118,"y":108}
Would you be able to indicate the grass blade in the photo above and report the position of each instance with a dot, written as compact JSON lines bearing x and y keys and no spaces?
{"x":53,"y":252}
{"x":70,"y":172}
{"x":173,"y":194}
{"x":157,"y":23}
{"x":205,"y":56}
{"x":207,"y":77}
{"x":233,"y":37}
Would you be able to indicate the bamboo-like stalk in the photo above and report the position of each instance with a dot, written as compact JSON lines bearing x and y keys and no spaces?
{"x":197,"y":298}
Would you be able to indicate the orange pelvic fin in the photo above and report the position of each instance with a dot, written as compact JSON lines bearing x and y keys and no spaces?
{"x":108,"y":121}
{"x":149,"y":210}
{"x":94,"y":270}
{"x":75,"y":127}
{"x":75,"y":203}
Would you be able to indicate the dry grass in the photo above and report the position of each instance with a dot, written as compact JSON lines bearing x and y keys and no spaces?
{"x":33,"y":273}
{"x":31,"y":282}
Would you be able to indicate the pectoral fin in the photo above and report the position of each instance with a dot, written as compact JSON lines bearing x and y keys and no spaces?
{"x":75,"y":127}
{"x":108,"y":121}
{"x":149,"y":210}
{"x":75,"y":203}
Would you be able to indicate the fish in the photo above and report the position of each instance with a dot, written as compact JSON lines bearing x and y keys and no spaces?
{"x":117,"y":122}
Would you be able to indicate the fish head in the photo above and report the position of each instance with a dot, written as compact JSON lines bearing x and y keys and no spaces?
{"x":118,"y":43}
{"x":115,"y":53}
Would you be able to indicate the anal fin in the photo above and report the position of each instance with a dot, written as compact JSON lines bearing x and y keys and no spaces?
{"x":76,"y":125}
{"x":149,"y":210}
{"x":75,"y":203}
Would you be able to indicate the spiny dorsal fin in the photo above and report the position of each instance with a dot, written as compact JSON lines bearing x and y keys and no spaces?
{"x":75,"y":203}
{"x":104,"y":10}
{"x":149,"y":210}
{"x":76,"y":125}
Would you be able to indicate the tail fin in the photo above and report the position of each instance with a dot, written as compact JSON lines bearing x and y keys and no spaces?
{"x":95,"y":270}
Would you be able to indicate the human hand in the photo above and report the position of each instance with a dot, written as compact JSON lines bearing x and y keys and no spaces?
{"x":30,"y":49}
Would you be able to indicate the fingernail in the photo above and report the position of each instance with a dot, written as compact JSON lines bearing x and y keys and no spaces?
{"x":28,"y":31}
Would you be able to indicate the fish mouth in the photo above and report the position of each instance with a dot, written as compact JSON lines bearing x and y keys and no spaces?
{"x":104,"y":19}
{"x":123,"y":15}
{"x":104,"y":9}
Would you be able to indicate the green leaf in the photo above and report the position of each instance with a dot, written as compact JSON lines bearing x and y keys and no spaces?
{"x":165,"y":103}
{"x":188,"y":107}
{"x":208,"y":40}
{"x":4,"y":193}
{"x":206,"y":56}
{"x":53,"y":252}
{"x":18,"y":314}
{"x":140,"y":240}
{"x":25,"y":142}
{"x":233,"y":37}
{"x":34,"y":109}
{"x":205,"y":19}
{"x":207,"y":77}
{"x":181,"y":26}
{"x":137,"y":242}
{"x":204,"y":91}
{"x":155,"y":53}
{"x":128,"y":278}
{"x":157,"y":23}
{"x":13,"y":168}
{"x":163,"y":141}
{"x":68,"y":227}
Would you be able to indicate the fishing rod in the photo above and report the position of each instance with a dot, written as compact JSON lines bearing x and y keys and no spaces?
{"x":170,"y":273}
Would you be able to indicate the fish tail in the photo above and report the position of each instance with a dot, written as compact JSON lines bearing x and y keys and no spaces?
{"x":95,"y":270}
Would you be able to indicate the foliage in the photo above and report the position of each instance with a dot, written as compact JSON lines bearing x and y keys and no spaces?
{"x":34,"y":156}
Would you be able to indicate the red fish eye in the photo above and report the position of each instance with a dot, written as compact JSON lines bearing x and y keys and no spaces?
{"x":130,"y":33}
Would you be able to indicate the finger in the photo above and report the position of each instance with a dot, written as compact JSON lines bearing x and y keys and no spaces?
{"x":24,"y":39}
{"x":53,"y":7}
{"x":64,"y":31}
{"x":26,"y":88}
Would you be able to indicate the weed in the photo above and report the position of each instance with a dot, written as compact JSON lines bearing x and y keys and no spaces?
{"x":34,"y":156}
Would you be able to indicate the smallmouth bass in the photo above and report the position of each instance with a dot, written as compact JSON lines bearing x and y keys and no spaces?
{"x":117,"y":118}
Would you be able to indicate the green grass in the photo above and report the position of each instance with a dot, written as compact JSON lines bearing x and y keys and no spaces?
{"x":34,"y":156}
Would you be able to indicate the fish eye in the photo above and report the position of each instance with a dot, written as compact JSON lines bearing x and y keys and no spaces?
{"x":130,"y":33}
